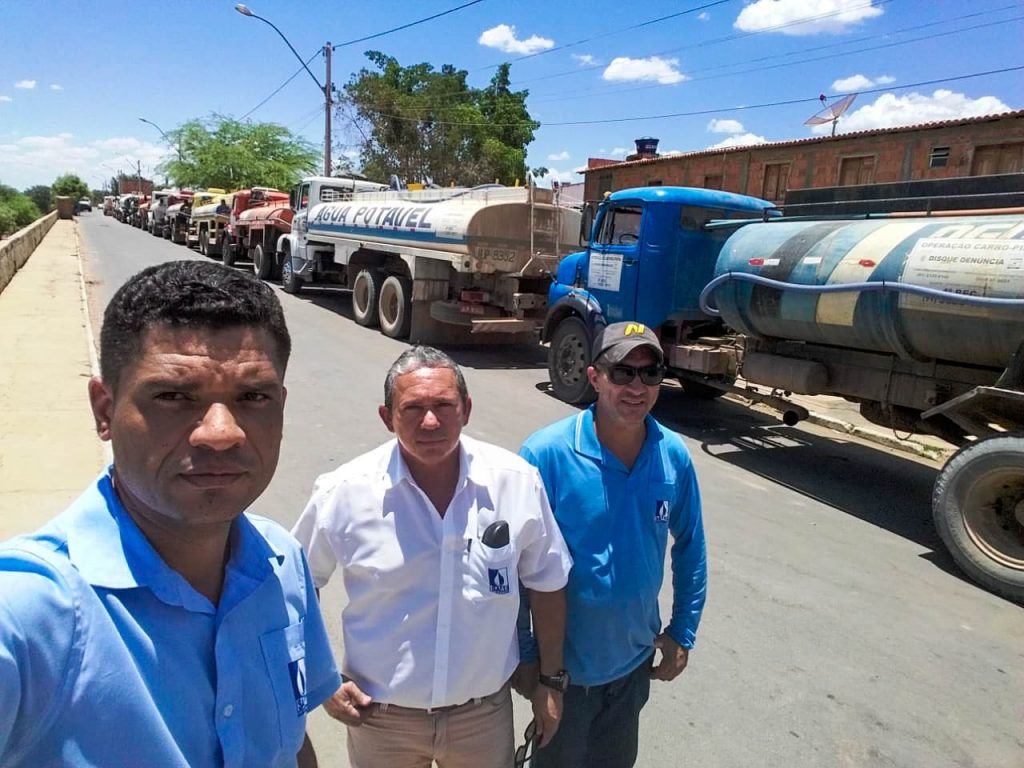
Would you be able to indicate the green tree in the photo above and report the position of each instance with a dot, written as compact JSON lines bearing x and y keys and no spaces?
{"x":421,"y":123}
{"x":8,"y":222}
{"x":229,"y":154}
{"x":42,"y":196}
{"x":16,"y":210}
{"x":71,"y":186}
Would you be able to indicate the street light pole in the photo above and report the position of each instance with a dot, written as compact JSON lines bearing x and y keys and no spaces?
{"x":167,"y":138}
{"x":325,"y":88}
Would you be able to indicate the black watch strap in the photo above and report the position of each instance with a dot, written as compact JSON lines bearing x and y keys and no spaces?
{"x":558,"y":681}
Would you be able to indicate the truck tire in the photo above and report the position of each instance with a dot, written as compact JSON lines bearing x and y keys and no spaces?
{"x":568,"y":360}
{"x":395,"y":307}
{"x":978,"y":508}
{"x":262,"y":262}
{"x":290,"y":282}
{"x":228,"y":251}
{"x":366,"y":297}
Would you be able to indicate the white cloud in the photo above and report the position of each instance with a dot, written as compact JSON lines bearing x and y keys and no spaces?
{"x":653,"y":68}
{"x":55,"y":87}
{"x":25,"y":85}
{"x":563,"y":155}
{"x":824,"y":16}
{"x":742,"y":140}
{"x":860,"y":82}
{"x":6,"y":98}
{"x":351,"y":154}
{"x":725,"y":126}
{"x":503,"y":37}
{"x":619,"y":152}
{"x":704,"y":16}
{"x":890,"y":110}
{"x":565,"y":177}
{"x":34,"y":160}
{"x":585,"y":59}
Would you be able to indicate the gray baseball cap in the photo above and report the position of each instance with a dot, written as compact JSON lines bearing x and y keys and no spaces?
{"x":617,"y":340}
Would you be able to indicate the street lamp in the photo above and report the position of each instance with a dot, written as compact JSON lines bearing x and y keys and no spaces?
{"x":167,"y":138}
{"x":325,"y":89}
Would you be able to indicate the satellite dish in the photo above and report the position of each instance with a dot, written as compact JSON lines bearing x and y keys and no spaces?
{"x":831,"y":113}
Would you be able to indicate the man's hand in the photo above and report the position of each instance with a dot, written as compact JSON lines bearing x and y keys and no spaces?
{"x":547,"y":713}
{"x":673,"y":658}
{"x":349,"y":705}
{"x":524,"y":679}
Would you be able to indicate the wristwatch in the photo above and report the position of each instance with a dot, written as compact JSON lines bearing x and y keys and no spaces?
{"x":558,"y":681}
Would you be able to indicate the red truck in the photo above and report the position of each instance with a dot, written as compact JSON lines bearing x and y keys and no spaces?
{"x":259,"y":217}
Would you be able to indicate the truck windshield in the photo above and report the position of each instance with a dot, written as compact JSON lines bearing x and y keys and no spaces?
{"x":621,"y":225}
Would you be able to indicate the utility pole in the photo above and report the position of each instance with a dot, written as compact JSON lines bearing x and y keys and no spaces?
{"x":328,"y":49}
{"x":138,"y":176}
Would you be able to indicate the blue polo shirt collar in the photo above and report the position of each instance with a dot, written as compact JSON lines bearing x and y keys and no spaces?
{"x":109,"y":550}
{"x":586,"y":442}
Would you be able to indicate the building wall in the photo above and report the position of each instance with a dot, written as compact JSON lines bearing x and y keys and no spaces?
{"x":884,"y":157}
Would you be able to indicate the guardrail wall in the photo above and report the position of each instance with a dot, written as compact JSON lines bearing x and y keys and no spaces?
{"x":15,"y":250}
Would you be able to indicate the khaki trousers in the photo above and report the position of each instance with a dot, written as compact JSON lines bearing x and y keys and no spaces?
{"x":477,"y":734}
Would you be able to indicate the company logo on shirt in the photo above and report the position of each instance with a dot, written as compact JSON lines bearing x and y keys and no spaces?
{"x":661,"y":512}
{"x":297,"y":672}
{"x":498,"y":578}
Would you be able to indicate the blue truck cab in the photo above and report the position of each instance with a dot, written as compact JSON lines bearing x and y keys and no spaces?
{"x":648,"y":258}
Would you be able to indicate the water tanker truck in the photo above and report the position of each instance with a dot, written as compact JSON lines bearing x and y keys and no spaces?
{"x":259,"y":218}
{"x":919,"y":319}
{"x":437,"y":265}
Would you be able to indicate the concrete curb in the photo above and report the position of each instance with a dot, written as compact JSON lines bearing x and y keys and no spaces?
{"x":908,"y":445}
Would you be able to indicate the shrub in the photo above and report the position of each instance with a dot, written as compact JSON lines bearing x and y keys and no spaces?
{"x":8,"y":221}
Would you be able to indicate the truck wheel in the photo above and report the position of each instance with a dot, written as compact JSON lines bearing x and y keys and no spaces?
{"x":204,"y":243}
{"x":366,"y":297}
{"x":262,"y":263}
{"x":289,"y":280}
{"x":395,"y":308}
{"x":568,"y":360}
{"x":228,"y":251}
{"x":978,"y":507}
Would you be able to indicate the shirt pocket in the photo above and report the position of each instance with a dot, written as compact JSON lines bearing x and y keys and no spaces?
{"x":284,"y":651}
{"x":490,"y":572}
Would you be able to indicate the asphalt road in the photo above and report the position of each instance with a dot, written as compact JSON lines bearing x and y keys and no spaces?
{"x":837,"y":630}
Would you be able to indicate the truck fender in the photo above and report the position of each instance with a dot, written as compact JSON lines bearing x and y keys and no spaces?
{"x":579,"y":303}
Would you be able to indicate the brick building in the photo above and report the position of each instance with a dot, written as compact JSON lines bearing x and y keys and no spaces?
{"x":976,"y":146}
{"x":129,"y":185}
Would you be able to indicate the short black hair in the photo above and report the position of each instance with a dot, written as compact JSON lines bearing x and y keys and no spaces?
{"x":187,"y":294}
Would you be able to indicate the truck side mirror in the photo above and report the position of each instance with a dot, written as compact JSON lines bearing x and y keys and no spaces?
{"x":586,"y":224}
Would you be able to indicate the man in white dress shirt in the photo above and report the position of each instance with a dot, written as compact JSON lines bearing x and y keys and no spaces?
{"x":433,"y":531}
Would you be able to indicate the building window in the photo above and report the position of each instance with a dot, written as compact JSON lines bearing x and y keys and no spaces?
{"x":939,"y":158}
{"x":604,"y":184}
{"x":998,"y":158}
{"x":856,"y":170}
{"x":654,"y":182}
{"x":713,"y":181}
{"x":776,"y":181}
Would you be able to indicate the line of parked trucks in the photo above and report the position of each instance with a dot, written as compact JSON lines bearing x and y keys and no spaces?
{"x":916,"y":317}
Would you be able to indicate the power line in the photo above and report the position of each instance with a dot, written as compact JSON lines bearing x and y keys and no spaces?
{"x":832,"y":56}
{"x":716,"y":41}
{"x":613,"y":32}
{"x":718,"y":110}
{"x":282,"y":85}
{"x":406,"y":26}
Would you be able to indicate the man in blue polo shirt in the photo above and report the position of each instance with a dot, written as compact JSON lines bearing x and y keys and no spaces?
{"x":153,"y":623}
{"x":619,"y":483}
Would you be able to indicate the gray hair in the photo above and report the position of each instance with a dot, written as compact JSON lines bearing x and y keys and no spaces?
{"x":422,"y":357}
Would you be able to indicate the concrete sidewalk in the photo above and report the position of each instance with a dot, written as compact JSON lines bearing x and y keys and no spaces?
{"x":49,"y":450}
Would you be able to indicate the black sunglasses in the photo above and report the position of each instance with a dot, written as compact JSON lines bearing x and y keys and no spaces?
{"x":524,"y":754}
{"x":651,"y":375}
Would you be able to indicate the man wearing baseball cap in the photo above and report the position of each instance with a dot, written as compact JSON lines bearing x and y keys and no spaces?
{"x":619,"y":483}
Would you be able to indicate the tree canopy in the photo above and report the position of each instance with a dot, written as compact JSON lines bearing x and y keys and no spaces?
{"x":71,"y":186}
{"x":421,"y":123}
{"x":226,"y":153}
{"x":16,"y":210}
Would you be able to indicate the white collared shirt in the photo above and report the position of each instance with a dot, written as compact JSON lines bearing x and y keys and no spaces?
{"x":431,"y":613}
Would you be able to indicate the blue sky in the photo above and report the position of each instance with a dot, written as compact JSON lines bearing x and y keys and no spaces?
{"x":75,"y":77}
